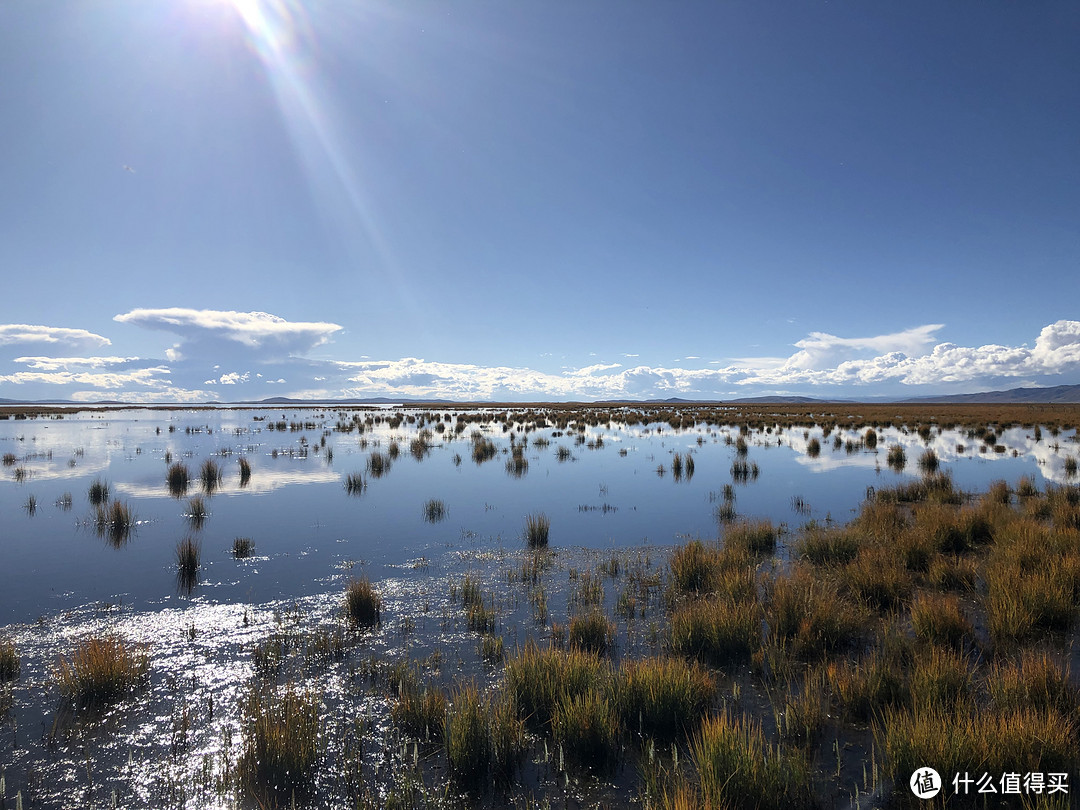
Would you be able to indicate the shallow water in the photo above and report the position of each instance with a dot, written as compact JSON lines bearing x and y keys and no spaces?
{"x":63,"y":578}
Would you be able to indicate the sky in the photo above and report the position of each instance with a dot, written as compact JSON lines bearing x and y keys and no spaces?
{"x":223,"y":200}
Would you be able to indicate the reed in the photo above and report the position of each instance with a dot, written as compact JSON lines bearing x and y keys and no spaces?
{"x":242,"y":547}
{"x":245,"y":468}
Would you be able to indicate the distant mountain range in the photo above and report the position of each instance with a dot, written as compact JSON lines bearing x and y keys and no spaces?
{"x":1059,"y":394}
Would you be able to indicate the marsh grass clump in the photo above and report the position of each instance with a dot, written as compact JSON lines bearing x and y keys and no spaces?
{"x":937,"y":618}
{"x":9,"y":660}
{"x":245,"y":469}
{"x":941,"y":677}
{"x":362,"y":603}
{"x":355,"y":483}
{"x":435,"y":511}
{"x":100,"y":670}
{"x":1033,"y":680}
{"x":242,"y":547}
{"x":196,"y":511}
{"x":813,"y":448}
{"x":420,"y":711}
{"x":757,"y":537}
{"x":587,"y":728}
{"x":282,"y":744}
{"x":864,"y":688}
{"x":737,"y":768}
{"x":378,"y":464}
{"x":663,"y":697}
{"x":210,"y":474}
{"x":896,"y":458}
{"x":177,"y":478}
{"x":517,"y":465}
{"x":98,"y":492}
{"x":483,"y":449}
{"x":1025,"y":740}
{"x":482,"y":737}
{"x":807,"y":616}
{"x":828,"y":545}
{"x":878,"y":579}
{"x":540,"y":678}
{"x":928,"y":461}
{"x":468,"y":749}
{"x":114,"y":521}
{"x":591,"y":631}
{"x":10,"y":459}
{"x":717,"y":630}
{"x":188,"y":557}
{"x":537,"y":527}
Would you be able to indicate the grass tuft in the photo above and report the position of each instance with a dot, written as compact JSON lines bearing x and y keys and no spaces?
{"x":9,"y":660}
{"x":242,"y":547}
{"x":435,"y":511}
{"x":98,"y":492}
{"x":282,"y":744}
{"x":362,"y":603}
{"x":537,"y":528}
{"x":177,"y":479}
{"x":100,"y":670}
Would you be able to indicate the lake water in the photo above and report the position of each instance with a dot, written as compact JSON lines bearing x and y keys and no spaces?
{"x":306,"y":528}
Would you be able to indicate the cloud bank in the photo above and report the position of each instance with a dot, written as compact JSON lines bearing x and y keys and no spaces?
{"x":254,"y":355}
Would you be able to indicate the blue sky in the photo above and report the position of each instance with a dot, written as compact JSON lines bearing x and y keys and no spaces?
{"x":237,"y":199}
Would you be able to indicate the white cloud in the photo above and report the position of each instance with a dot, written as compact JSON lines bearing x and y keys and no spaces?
{"x":260,"y":331}
{"x":16,"y":333}
{"x":232,"y":378}
{"x":106,"y":380}
{"x":821,"y":350}
{"x":67,"y":363}
{"x":165,"y":394}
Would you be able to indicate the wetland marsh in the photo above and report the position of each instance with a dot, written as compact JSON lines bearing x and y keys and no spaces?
{"x":443,"y":606}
